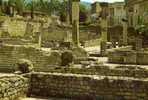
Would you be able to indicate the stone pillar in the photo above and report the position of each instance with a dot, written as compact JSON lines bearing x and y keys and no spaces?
{"x":29,"y":29}
{"x":104,"y":37}
{"x":104,"y":29}
{"x":75,"y":22}
{"x":75,"y":33}
{"x":138,"y":44}
{"x":103,"y":48}
{"x":11,"y":11}
{"x":125,"y":26}
{"x":68,"y":37}
{"x":40,"y":35}
{"x":68,"y":12}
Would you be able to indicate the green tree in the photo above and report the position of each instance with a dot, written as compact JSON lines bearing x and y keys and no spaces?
{"x":83,"y":13}
{"x":16,"y":4}
{"x":1,"y":1}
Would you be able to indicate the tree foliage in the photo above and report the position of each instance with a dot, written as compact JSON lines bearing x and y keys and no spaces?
{"x":83,"y":13}
{"x":58,"y":7}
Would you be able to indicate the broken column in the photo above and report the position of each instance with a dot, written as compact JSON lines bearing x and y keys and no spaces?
{"x":68,"y":36}
{"x":40,"y":35}
{"x":29,"y":29}
{"x":75,"y":22}
{"x":104,"y":36}
{"x":104,"y":29}
{"x":125,"y":26}
{"x":68,"y":12}
{"x":138,"y":44}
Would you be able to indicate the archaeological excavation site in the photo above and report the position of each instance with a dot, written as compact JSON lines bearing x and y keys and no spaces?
{"x":73,"y":49}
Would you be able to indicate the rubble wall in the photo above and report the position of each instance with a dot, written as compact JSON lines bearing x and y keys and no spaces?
{"x":120,"y":70}
{"x":128,"y":57}
{"x":13,"y":87}
{"x":88,"y":87}
{"x":122,"y":57}
{"x":9,"y":55}
{"x":18,"y":26}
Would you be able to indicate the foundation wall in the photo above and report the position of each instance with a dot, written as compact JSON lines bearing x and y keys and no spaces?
{"x":128,"y":57}
{"x":10,"y":54}
{"x":88,"y":87}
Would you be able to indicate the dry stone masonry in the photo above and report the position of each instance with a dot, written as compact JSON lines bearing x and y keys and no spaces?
{"x":73,"y":86}
{"x":20,"y":26}
{"x":10,"y":55}
{"x":121,"y":56}
{"x":13,"y":87}
{"x":88,"y":87}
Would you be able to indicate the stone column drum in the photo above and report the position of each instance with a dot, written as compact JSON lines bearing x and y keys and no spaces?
{"x":125,"y":26}
{"x":104,"y":37}
{"x":75,"y":22}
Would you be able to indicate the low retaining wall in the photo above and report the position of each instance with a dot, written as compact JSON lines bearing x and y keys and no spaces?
{"x":88,"y":87}
{"x":40,"y":57}
{"x":122,"y":57}
{"x":10,"y":54}
{"x":119,"y":70}
{"x":13,"y":87}
{"x":128,"y":57}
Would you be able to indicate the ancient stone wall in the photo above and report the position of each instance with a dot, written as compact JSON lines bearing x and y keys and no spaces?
{"x":128,"y":57}
{"x":88,"y":87}
{"x":19,"y":26}
{"x":118,"y":70}
{"x":73,"y":86}
{"x":123,"y":57}
{"x":9,"y":55}
{"x":13,"y":87}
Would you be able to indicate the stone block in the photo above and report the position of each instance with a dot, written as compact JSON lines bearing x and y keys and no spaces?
{"x":67,"y":58}
{"x":142,"y":58}
{"x":122,"y":57}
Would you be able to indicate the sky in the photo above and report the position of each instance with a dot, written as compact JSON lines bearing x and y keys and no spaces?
{"x":91,"y":1}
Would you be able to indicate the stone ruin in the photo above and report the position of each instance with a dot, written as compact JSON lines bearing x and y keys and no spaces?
{"x":134,"y":52}
{"x":73,"y":86}
{"x":45,"y":73}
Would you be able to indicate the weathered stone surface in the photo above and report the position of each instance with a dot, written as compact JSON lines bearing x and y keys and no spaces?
{"x":20,"y":26}
{"x":75,"y":22}
{"x":122,"y":57}
{"x":10,"y":54}
{"x":24,"y":66}
{"x":142,"y":58}
{"x":88,"y":87}
{"x":138,"y":44}
{"x":107,"y":70}
{"x":13,"y":87}
{"x":128,"y":57}
{"x":79,"y":52}
{"x":67,"y":58}
{"x":103,"y":48}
